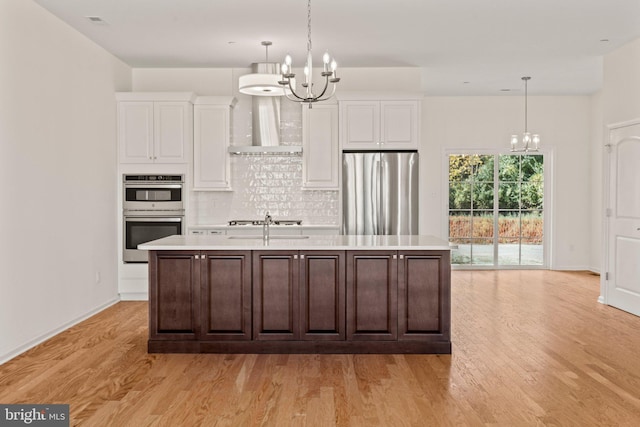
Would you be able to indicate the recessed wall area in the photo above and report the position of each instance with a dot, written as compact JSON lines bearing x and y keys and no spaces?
{"x":264,"y":183}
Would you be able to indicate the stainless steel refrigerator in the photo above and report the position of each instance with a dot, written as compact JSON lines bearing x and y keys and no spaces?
{"x":380,"y":192}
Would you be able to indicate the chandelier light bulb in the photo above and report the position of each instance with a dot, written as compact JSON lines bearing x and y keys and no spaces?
{"x":326,"y":58}
{"x":536,"y":141}
{"x":287,"y":60}
{"x":334,"y":65}
{"x":284,"y":68}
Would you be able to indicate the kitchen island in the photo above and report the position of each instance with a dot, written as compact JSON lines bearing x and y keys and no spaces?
{"x":299,"y":294}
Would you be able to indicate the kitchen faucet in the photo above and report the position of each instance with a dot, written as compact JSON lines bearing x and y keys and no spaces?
{"x":265,"y":226}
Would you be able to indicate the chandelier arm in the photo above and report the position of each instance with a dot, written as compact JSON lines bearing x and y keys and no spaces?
{"x":326,"y":84}
{"x":293,"y":92}
{"x":333,"y":91}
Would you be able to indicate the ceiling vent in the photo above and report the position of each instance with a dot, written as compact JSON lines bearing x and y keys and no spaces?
{"x":96,"y":20}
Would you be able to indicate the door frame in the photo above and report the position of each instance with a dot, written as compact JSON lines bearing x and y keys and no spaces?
{"x":606,"y":204}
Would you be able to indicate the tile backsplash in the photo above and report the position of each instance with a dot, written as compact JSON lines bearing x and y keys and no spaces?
{"x":265,"y":183}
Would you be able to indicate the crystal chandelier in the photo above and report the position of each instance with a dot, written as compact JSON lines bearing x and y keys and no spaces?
{"x":328,"y":72}
{"x":529,"y":142}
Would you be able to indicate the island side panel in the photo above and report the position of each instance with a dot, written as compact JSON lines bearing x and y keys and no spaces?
{"x":173,"y":295}
{"x":372,"y":291}
{"x":322,"y":295}
{"x":276,"y":295}
{"x":225,"y":289}
{"x":424,"y":295}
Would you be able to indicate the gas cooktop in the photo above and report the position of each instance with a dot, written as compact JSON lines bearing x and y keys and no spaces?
{"x":261,"y":222}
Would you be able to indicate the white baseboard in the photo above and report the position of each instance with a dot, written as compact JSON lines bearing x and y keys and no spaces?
{"x":134,"y":296}
{"x":571,"y":268}
{"x":42,"y":338}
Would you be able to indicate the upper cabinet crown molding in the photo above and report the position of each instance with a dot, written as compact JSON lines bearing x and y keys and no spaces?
{"x":156,"y":96}
{"x":229,"y":101}
{"x":378,"y":96}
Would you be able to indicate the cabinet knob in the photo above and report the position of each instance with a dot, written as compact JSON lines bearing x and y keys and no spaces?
{"x":395,"y":257}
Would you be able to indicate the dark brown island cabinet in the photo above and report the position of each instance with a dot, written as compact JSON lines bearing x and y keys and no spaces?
{"x":307,"y":301}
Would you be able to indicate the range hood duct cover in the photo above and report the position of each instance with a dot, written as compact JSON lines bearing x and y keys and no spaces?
{"x":265,"y":111}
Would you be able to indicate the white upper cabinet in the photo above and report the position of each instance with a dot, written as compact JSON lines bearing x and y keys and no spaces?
{"x":391,"y":123}
{"x":360,"y":122}
{"x":154,"y":127}
{"x":320,"y":147}
{"x":211,"y":123}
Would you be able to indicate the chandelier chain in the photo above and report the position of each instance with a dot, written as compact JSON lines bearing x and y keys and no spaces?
{"x":309,"y":25}
{"x":328,"y":72}
{"x":525,"y":103}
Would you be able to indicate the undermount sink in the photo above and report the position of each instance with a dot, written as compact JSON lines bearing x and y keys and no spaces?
{"x":285,"y":237}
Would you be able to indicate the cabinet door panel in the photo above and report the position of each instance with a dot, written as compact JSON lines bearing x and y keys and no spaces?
{"x":174,"y":295}
{"x":211,"y":138}
{"x":360,"y":124}
{"x":171,"y":121}
{"x":399,"y":124}
{"x":135,"y":132}
{"x":226,"y":296}
{"x":423,"y":305}
{"x":372,"y":312}
{"x":320,"y":151}
{"x":322,"y":299}
{"x":275,"y":296}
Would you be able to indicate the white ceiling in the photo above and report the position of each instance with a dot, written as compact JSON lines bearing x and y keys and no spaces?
{"x":489,"y":44}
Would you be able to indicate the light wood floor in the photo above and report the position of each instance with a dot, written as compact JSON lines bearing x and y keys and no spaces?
{"x":529,"y":348}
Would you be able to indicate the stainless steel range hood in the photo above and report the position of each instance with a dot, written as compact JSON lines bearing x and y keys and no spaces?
{"x":262,"y":85}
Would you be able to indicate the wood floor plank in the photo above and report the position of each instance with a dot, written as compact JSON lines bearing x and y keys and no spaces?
{"x":529,"y":348}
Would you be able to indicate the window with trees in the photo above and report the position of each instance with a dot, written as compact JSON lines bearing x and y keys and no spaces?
{"x":496,"y":215}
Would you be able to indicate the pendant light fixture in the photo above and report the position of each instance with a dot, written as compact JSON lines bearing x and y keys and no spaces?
{"x":308,"y":95}
{"x":528,"y":142}
{"x":263,"y":81}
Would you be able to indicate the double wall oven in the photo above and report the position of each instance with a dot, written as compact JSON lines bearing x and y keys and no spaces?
{"x":153,"y":207}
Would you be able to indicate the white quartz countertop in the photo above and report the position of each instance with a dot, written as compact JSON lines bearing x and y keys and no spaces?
{"x":259,"y":227}
{"x":309,"y":242}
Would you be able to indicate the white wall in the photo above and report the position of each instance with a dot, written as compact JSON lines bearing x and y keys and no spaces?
{"x":597,"y":152}
{"x":454,"y":123}
{"x":621,"y":85}
{"x":58,"y":174}
{"x":486,"y":123}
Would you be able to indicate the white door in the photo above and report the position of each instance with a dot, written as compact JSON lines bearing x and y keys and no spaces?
{"x":623,"y":211}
